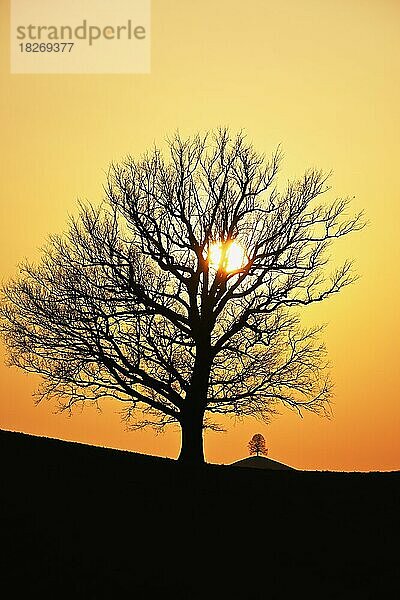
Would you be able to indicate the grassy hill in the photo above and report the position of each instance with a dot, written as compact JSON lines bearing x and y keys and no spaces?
{"x":79,"y":521}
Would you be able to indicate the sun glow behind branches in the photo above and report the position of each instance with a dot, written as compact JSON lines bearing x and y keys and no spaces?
{"x":234,"y":259}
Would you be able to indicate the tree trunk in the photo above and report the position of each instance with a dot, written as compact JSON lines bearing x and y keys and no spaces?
{"x":192,"y":415}
{"x":192,"y":451}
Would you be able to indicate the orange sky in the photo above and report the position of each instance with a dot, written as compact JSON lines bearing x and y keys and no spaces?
{"x":322,"y":79}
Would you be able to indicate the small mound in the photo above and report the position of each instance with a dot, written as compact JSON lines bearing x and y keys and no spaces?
{"x":261,"y":462}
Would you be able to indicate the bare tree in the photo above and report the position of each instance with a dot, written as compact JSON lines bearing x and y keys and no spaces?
{"x":257,"y":445}
{"x":177,"y":295}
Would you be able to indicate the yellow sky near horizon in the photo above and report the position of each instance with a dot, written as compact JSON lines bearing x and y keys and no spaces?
{"x":320,"y":78}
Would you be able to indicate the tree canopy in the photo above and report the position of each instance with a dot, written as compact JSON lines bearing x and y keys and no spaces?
{"x":179,"y":294}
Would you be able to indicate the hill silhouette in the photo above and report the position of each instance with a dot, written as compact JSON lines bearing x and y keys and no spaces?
{"x":85,"y":522}
{"x":261,"y":462}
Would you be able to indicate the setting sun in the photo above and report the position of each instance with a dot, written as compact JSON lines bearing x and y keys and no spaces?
{"x":235,"y":256}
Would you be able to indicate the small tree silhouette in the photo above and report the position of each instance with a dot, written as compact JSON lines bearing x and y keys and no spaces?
{"x":257,"y":445}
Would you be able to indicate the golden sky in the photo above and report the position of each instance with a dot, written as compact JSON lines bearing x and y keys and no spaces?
{"x":320,"y":77}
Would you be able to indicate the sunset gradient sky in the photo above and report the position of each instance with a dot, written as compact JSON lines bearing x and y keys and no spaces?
{"x":321,"y":78}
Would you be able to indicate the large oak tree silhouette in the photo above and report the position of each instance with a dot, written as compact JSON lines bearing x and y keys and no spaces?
{"x":141,"y":300}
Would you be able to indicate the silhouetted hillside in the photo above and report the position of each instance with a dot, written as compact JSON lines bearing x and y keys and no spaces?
{"x":86,"y":522}
{"x":261,"y":462}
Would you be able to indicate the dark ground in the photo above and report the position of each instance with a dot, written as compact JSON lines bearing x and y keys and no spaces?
{"x":84,"y":522}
